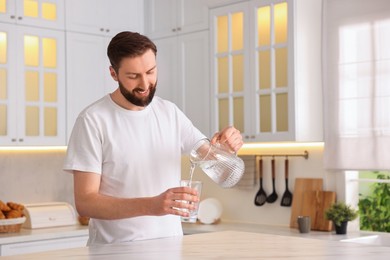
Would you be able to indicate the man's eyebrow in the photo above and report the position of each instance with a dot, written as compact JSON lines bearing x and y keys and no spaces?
{"x":136,"y":73}
{"x":153,"y":67}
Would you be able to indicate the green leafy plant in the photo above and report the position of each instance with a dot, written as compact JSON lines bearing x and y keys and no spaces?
{"x":374,"y":209}
{"x":340,"y":212}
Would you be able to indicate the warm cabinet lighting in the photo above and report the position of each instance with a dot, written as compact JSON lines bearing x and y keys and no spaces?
{"x":282,"y":145}
{"x":46,"y":10}
{"x":49,"y":11}
{"x":3,"y":48}
{"x":3,"y":6}
{"x":31,"y":50}
{"x":31,"y":8}
{"x":7,"y":149}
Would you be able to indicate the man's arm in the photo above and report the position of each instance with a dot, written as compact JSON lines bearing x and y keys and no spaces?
{"x":89,"y":202}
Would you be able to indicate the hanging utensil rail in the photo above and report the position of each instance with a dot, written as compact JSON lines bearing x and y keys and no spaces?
{"x":304,"y":155}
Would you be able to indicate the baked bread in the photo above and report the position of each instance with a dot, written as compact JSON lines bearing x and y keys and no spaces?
{"x":15,"y":206}
{"x":13,"y":214}
{"x":11,"y":210}
{"x":4,"y":207}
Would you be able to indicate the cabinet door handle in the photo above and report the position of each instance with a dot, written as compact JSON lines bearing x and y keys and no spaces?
{"x":21,"y":140}
{"x":107,"y":30}
{"x":20,"y":18}
{"x":12,"y":16}
{"x":102,"y":29}
{"x":178,"y":28}
{"x":13,"y":140}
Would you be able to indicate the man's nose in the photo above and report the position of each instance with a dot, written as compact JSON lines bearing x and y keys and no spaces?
{"x":144,"y":82}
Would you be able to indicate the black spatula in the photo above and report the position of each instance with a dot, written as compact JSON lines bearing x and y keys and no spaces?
{"x":273,"y":196}
{"x":287,"y":196}
{"x":261,"y":196}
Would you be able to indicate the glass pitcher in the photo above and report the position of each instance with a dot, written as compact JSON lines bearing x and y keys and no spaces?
{"x":222,"y":166}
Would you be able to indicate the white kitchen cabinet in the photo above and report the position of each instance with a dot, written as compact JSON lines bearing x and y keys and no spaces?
{"x":172,"y":17}
{"x":266,"y":69}
{"x":104,"y":17}
{"x":18,"y":248}
{"x":37,"y":13}
{"x":32,"y":86}
{"x":183,"y":75}
{"x":88,"y":75}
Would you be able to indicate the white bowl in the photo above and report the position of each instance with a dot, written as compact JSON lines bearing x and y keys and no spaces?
{"x":210,"y":210}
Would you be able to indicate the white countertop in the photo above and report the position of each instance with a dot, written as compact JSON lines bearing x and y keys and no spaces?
{"x":195,"y":228}
{"x":26,"y":235}
{"x":222,"y":245}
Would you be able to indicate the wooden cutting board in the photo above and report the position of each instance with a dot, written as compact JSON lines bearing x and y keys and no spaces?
{"x":314,"y":205}
{"x":301,"y":185}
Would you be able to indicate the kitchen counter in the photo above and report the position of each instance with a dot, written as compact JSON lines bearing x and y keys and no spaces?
{"x":222,"y":245}
{"x":28,"y":235}
{"x":195,"y":228}
{"x":43,"y":239}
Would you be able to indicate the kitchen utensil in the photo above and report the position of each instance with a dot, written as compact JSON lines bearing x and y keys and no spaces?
{"x":287,"y":196}
{"x":273,"y":197}
{"x":221,"y":165}
{"x":302,"y":185}
{"x":314,"y":205}
{"x":261,"y":196}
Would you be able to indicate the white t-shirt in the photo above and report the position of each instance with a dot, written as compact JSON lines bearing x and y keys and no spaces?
{"x":137,"y":154}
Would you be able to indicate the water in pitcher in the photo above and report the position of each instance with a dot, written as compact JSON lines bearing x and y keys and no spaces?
{"x":222,"y":166}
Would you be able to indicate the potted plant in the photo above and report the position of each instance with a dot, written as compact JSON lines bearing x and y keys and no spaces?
{"x":340,"y":213}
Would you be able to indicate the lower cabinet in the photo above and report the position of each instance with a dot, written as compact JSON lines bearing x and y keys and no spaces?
{"x":42,"y":245}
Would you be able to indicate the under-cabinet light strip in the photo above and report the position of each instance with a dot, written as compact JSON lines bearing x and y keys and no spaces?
{"x":32,"y":148}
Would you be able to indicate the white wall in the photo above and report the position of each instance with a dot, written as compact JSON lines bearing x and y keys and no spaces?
{"x":34,"y":176}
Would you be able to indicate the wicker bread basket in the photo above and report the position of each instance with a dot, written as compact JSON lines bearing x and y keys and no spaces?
{"x":11,"y":225}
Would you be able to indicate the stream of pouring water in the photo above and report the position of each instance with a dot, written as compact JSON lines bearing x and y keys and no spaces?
{"x":191,"y":173}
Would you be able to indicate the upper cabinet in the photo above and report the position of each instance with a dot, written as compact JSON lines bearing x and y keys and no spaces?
{"x":90,"y":25}
{"x":183,"y":75}
{"x":266,"y":69}
{"x":104,"y":17}
{"x":85,"y":86}
{"x":172,"y":17}
{"x":39,"y":13}
{"x":32,"y":86}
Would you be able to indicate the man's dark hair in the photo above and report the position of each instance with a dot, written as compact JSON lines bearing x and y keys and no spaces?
{"x":128,"y":45}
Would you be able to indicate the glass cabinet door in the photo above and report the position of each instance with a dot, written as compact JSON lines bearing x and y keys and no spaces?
{"x":273,"y":79}
{"x":41,"y":13}
{"x":7,"y":83}
{"x":229,"y":66}
{"x":41,"y":86}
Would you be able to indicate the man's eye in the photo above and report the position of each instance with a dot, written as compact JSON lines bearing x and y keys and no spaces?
{"x":133,"y":76}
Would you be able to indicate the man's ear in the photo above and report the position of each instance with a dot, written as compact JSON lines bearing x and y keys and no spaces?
{"x":113,"y":73}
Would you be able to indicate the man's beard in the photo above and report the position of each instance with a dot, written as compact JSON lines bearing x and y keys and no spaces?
{"x":132,"y":96}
